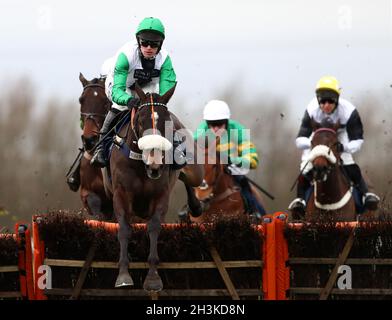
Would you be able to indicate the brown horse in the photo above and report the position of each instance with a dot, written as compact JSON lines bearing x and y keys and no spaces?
{"x":220,"y":195}
{"x":141,"y":179}
{"x":332,"y":197}
{"x":93,"y":107}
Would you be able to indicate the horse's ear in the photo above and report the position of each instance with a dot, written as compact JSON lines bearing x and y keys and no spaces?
{"x":83,"y":80}
{"x":140,"y":92}
{"x":166,"y":97}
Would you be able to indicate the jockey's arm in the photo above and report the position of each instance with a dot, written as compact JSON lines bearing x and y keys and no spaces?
{"x":247,"y":153}
{"x":168,"y":77}
{"x":355,"y":133}
{"x":119,"y":94}
{"x":303,"y":138}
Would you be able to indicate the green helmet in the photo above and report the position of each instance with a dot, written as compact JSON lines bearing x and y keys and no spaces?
{"x":151,"y":29}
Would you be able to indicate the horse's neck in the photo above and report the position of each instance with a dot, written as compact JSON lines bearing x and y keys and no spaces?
{"x":334,"y":188}
{"x":225,"y":182}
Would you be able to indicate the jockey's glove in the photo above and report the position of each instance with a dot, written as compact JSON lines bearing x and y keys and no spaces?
{"x":235,"y":170}
{"x":133,"y":103}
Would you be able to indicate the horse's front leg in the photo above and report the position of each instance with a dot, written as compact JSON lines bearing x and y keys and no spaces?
{"x":153,"y":281}
{"x":124,"y":232}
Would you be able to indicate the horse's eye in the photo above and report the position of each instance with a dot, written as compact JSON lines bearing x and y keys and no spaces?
{"x":81,"y":99}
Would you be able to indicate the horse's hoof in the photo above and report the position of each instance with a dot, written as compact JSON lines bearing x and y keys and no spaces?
{"x":153,"y":283}
{"x":124,"y":280}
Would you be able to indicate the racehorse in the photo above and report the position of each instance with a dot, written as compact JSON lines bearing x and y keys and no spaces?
{"x":220,"y":195}
{"x":141,"y":179}
{"x":332,"y":196}
{"x":93,"y":107}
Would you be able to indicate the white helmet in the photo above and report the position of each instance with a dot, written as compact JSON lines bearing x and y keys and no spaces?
{"x":106,"y":67}
{"x":216,"y":110}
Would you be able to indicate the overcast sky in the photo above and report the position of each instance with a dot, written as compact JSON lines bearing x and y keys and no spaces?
{"x":281,"y":46}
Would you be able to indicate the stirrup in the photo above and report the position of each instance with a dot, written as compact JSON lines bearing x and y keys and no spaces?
{"x":297,"y":204}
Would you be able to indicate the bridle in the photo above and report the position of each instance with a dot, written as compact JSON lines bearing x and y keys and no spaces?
{"x":151,"y":104}
{"x":327,"y":154}
{"x":92,"y":115}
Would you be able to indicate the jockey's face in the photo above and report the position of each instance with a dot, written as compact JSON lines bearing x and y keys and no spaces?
{"x":217,"y":126}
{"x":148,"y":48}
{"x":327,"y":105}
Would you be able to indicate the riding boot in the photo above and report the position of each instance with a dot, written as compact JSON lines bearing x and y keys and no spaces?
{"x":73,"y":178}
{"x":255,"y":209}
{"x":299,"y":204}
{"x":98,"y":159}
{"x":369,"y":199}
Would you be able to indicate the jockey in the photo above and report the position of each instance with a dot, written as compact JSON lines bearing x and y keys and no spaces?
{"x":329,"y":104}
{"x":142,"y":61}
{"x":234,"y":143}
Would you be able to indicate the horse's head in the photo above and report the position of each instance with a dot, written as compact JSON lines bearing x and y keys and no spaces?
{"x":213,"y":171}
{"x":324,"y":154}
{"x":93,"y":107}
{"x":152,"y":122}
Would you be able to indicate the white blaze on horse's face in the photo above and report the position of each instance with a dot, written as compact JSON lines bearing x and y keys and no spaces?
{"x":155,"y":117}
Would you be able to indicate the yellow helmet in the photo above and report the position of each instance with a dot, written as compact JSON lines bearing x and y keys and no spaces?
{"x":329,"y":83}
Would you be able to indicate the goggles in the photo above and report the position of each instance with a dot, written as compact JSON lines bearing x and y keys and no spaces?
{"x":152,"y":44}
